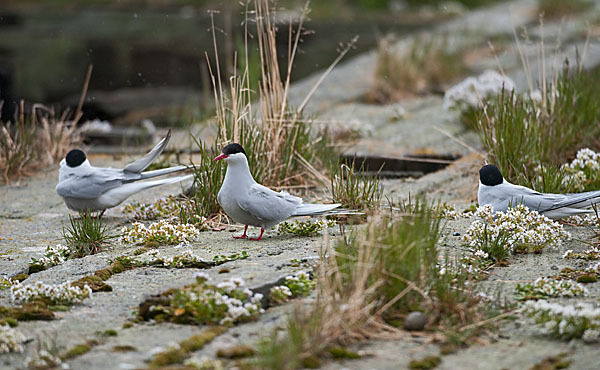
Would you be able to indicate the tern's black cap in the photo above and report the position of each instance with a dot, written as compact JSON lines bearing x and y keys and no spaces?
{"x":490,"y":175}
{"x":233,"y":148}
{"x":75,"y":157}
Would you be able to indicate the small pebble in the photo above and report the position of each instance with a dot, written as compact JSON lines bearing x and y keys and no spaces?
{"x":415,"y":321}
{"x":456,"y":233}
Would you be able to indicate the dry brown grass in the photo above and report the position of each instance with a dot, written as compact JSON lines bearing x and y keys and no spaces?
{"x":38,"y":139}
{"x":34,"y":142}
{"x":282,"y":147}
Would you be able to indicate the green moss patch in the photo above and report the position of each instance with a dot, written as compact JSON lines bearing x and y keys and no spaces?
{"x":553,"y":363}
{"x":76,"y":351}
{"x":94,"y":282}
{"x":20,"y":277}
{"x":429,"y":362}
{"x":174,"y":356}
{"x":123,"y":348}
{"x":239,"y":351}
{"x":343,"y":353}
{"x":37,"y":310}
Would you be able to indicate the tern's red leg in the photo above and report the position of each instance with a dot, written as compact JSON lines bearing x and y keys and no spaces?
{"x":243,"y":236}
{"x":102,"y":213}
{"x":262,"y":230}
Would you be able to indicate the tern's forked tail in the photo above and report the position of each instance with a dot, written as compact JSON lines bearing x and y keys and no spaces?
{"x":309,"y":209}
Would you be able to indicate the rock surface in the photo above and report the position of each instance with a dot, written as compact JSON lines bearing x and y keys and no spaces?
{"x":33,"y":216}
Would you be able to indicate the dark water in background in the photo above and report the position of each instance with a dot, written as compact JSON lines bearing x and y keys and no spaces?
{"x":145,"y":58}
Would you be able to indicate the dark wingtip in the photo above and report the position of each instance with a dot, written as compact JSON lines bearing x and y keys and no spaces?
{"x":490,"y":175}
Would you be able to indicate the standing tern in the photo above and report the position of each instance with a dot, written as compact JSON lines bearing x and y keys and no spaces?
{"x":248,"y":202}
{"x":86,"y":188}
{"x":501,"y":194}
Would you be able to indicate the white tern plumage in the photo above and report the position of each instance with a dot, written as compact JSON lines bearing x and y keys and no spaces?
{"x":86,"y":188}
{"x":501,"y":194}
{"x":248,"y":202}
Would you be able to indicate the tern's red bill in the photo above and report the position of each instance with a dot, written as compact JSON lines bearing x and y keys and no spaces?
{"x":219,"y":157}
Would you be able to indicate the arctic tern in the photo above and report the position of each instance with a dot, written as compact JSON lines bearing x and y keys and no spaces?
{"x":86,"y":188}
{"x":248,"y":202}
{"x":501,"y":194}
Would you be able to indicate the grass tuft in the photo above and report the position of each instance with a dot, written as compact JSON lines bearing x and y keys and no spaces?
{"x":371,"y":279}
{"x":355,"y":190}
{"x":86,"y":235}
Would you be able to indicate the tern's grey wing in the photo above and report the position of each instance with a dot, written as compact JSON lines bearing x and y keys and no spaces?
{"x":579,"y":200}
{"x":506,"y":195}
{"x":92,"y":184}
{"x":268,"y":205}
{"x":142,"y":163}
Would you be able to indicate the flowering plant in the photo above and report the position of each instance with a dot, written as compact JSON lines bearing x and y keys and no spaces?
{"x":470,"y":92}
{"x":545,"y":287}
{"x":54,"y":255}
{"x":583,"y":171}
{"x":580,"y":320}
{"x":61,"y":294}
{"x":516,"y":230}
{"x":228,"y":302}
{"x":11,"y":340}
{"x":297,"y":285}
{"x":589,"y":254}
{"x":162,"y":232}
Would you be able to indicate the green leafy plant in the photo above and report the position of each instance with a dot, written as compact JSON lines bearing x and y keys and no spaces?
{"x":86,"y":235}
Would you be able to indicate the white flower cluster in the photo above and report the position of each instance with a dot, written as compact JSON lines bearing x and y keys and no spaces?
{"x":180,"y":261}
{"x":280,"y":294}
{"x":11,"y":340}
{"x":239,"y":301}
{"x":204,"y":363}
{"x":566,"y":321}
{"x":305,"y":228}
{"x":470,"y":92}
{"x":557,"y":288}
{"x":582,"y":220}
{"x":45,"y":360}
{"x":163,"y":231}
{"x":519,"y":225}
{"x":63,"y":293}
{"x":585,"y":164}
{"x":589,"y":254}
{"x":54,"y":255}
{"x":450,"y":212}
{"x":594,"y":269}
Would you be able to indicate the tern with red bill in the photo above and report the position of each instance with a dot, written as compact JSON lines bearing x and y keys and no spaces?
{"x":501,"y":194}
{"x":251,"y":204}
{"x":86,"y":188}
